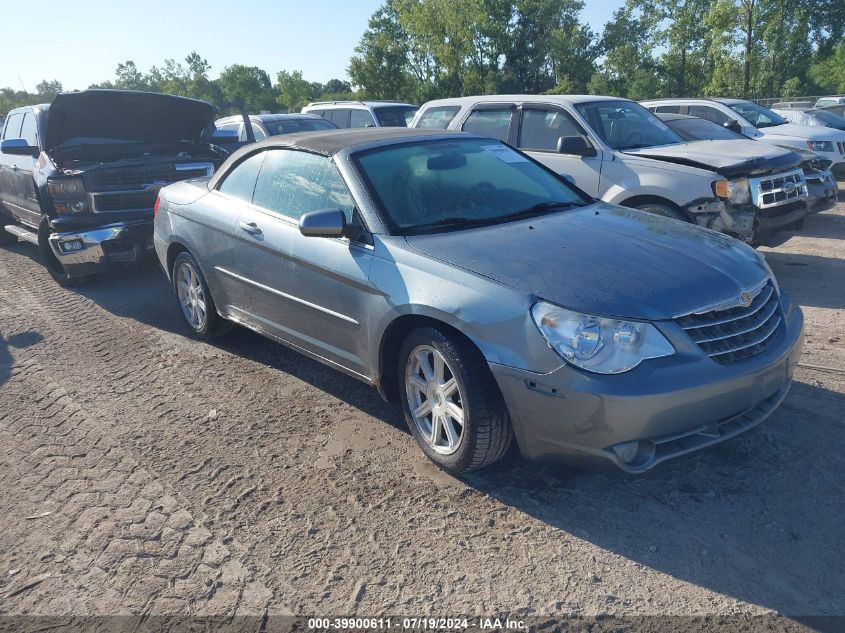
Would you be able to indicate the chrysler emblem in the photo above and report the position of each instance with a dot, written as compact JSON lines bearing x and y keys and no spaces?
{"x":745,"y":297}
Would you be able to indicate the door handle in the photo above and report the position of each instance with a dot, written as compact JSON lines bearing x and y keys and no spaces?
{"x":249,"y":227}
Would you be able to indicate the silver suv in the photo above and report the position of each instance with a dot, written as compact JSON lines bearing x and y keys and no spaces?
{"x":364,"y":113}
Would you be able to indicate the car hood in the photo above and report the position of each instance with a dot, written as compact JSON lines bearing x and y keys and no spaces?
{"x":125,"y":115}
{"x":809,"y":132}
{"x":729,"y":157}
{"x":604,"y":260}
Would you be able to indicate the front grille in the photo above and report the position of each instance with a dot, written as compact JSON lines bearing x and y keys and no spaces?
{"x":143,"y":176}
{"x":732,"y":334}
{"x":771,"y":191}
{"x":124,"y":201}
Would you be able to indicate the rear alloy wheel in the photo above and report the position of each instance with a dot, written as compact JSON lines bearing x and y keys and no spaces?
{"x":662,"y":209}
{"x":452,"y":405}
{"x":195,"y":299}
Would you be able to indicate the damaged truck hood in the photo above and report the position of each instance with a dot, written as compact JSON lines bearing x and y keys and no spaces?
{"x":728,"y":158}
{"x":125,"y":115}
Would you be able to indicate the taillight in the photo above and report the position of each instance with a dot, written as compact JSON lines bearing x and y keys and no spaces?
{"x":155,"y":206}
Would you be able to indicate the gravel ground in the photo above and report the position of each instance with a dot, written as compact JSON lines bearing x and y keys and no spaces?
{"x":142,"y":472}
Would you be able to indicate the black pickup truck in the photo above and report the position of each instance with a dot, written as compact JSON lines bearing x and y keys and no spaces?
{"x":79,"y":177}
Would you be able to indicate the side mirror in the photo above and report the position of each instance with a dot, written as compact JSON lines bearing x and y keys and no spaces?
{"x":323,"y":223}
{"x":19,"y":147}
{"x":733,"y":125}
{"x":575,"y":145}
{"x":223,"y":136}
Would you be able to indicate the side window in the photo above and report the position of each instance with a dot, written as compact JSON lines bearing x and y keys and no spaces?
{"x":292,"y":183}
{"x":321,"y":113}
{"x":438,"y":118}
{"x":540,"y":128}
{"x":29,"y":129}
{"x":669,"y":109}
{"x":240,"y":182}
{"x":360,"y":118}
{"x":708,"y":112}
{"x":13,"y":126}
{"x":339,"y":117}
{"x":490,"y":122}
{"x":257,"y":132}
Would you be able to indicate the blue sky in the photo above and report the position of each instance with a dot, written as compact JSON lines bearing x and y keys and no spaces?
{"x":81,"y":42}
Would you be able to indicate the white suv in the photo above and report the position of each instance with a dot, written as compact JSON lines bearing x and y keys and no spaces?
{"x":616,"y":150}
{"x":759,"y":123}
{"x":364,"y":113}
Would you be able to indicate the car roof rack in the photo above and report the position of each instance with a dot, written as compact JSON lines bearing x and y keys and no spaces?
{"x":355,"y":101}
{"x":313,"y":103}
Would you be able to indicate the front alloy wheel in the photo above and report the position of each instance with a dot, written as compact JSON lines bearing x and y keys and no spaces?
{"x":434,"y":399}
{"x":452,"y":405}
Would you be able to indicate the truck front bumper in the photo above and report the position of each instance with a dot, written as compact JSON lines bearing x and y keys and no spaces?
{"x":92,"y":250}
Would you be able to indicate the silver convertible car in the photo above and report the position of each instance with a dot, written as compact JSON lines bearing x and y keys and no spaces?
{"x":486,"y":294}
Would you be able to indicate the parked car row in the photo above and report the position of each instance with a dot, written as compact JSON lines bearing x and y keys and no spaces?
{"x":489,"y":269}
{"x":618,"y":151}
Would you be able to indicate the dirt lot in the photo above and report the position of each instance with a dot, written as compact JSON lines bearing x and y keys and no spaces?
{"x":143,"y":472}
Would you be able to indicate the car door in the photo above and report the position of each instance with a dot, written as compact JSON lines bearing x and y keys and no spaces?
{"x":540,"y":127}
{"x":306,"y":291}
{"x":7,"y":164}
{"x":27,"y":209}
{"x":361,"y":118}
{"x":216,"y":240}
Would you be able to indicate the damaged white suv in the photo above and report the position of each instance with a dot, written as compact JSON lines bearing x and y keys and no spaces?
{"x":616,"y":150}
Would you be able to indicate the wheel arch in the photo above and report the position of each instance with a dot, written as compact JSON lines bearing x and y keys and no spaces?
{"x":634,"y":201}
{"x":391,"y":343}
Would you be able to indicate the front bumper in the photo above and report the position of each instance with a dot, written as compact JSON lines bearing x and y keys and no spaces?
{"x":822,"y":194}
{"x":668,"y":406}
{"x":92,"y":250}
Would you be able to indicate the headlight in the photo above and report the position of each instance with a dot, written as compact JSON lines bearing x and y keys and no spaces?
{"x":820,"y":146}
{"x":597,"y":344}
{"x":736,"y":191}
{"x":68,"y":195}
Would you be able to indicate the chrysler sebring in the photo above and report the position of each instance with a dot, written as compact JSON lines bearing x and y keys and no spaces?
{"x":489,"y":296}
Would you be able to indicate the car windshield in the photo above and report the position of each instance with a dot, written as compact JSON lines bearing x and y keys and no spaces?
{"x":395,"y":116}
{"x":829,"y":119}
{"x":289,"y":126}
{"x":627,"y":125}
{"x":695,"y":129}
{"x":460,"y":183}
{"x":756,"y":115}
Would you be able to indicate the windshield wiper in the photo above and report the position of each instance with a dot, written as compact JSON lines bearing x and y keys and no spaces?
{"x":540,"y":207}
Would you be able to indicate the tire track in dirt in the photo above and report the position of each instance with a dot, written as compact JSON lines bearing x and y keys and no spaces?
{"x":330,"y":506}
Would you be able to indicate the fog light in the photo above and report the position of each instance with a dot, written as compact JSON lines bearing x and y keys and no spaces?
{"x":71,"y":246}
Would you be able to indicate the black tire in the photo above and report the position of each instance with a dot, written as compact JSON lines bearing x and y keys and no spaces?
{"x":51,"y":263}
{"x":662,"y":209}
{"x":212,"y":325}
{"x":486,"y":433}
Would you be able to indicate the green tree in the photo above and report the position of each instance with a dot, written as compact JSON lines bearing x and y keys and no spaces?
{"x":380,"y":67}
{"x":293,"y":91}
{"x":249,"y":84}
{"x":129,"y":77}
{"x":47,"y":90}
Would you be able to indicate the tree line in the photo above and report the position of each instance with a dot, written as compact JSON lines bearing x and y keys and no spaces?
{"x":417,"y":50}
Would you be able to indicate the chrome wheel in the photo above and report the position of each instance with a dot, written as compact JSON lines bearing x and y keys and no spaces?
{"x":191,"y":295}
{"x":434,"y":399}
